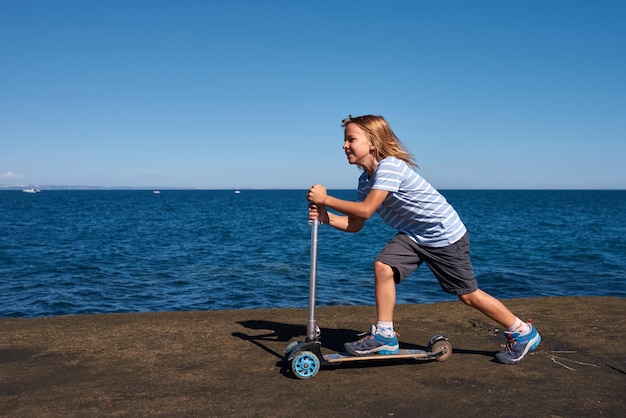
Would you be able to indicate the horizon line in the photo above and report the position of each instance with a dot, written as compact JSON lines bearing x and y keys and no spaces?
{"x":7,"y":187}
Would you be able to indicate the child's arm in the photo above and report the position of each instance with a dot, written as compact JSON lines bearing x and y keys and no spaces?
{"x":343,"y":223}
{"x":364,"y":210}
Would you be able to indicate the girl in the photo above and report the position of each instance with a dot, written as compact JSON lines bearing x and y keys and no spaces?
{"x":429,"y":231}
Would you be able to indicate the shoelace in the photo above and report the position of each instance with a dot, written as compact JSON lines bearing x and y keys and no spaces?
{"x":368,"y":334}
{"x":365,"y":336}
{"x":511,"y":341}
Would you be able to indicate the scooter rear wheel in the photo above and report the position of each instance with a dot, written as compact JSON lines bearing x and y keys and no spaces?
{"x":444,"y":346}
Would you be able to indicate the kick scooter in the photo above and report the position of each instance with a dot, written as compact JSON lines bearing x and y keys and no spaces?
{"x":306,"y":359}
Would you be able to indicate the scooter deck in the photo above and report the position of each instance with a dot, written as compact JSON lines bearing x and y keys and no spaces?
{"x":403,"y":353}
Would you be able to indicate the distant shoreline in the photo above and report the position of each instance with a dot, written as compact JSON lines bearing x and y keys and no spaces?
{"x":6,"y":187}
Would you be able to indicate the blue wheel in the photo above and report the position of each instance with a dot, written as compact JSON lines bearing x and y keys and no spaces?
{"x":305,"y":365}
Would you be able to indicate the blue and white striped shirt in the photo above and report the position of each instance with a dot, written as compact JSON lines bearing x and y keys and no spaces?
{"x":413,"y":206}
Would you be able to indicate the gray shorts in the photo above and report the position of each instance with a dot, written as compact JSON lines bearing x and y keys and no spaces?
{"x":451,"y":265}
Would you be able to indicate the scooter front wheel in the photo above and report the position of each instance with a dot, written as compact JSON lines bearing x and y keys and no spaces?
{"x":305,"y":365}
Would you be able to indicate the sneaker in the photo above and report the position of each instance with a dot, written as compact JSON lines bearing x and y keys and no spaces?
{"x":373,"y":343}
{"x":518,"y":346}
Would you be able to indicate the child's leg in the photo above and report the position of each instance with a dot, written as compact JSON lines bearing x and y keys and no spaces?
{"x":489,"y":306}
{"x":385,"y":288}
{"x":382,"y":339}
{"x":521,"y":337}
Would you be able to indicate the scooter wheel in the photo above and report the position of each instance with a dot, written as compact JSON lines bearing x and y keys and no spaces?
{"x":442,"y":345}
{"x":305,"y":365}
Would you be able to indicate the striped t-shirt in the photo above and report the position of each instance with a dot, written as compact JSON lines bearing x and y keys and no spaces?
{"x":413,"y":206}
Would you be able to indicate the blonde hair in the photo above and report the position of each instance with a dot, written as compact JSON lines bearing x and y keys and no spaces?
{"x":385,"y":142}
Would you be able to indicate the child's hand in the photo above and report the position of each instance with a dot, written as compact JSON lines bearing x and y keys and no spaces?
{"x":318,"y":213}
{"x":317,"y":194}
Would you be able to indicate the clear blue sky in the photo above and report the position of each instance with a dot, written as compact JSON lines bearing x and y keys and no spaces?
{"x":250,"y":94}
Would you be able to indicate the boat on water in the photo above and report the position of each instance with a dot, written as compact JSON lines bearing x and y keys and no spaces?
{"x":31,"y":190}
{"x":156,"y":192}
{"x":237,"y":191}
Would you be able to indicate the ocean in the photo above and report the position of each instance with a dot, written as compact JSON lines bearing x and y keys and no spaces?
{"x":65,"y":252}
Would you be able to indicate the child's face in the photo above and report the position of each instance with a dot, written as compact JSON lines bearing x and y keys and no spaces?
{"x":358,"y":147}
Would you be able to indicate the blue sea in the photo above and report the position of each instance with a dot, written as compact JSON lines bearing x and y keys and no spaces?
{"x":107,"y":251}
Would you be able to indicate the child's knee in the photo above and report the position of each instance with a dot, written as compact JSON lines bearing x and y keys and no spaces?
{"x":469,"y":298}
{"x":382,"y":270}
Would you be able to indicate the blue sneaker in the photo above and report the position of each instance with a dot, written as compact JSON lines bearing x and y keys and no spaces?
{"x":518,"y":346}
{"x":373,"y":343}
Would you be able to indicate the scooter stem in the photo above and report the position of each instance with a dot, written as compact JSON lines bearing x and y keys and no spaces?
{"x":311,"y":333}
